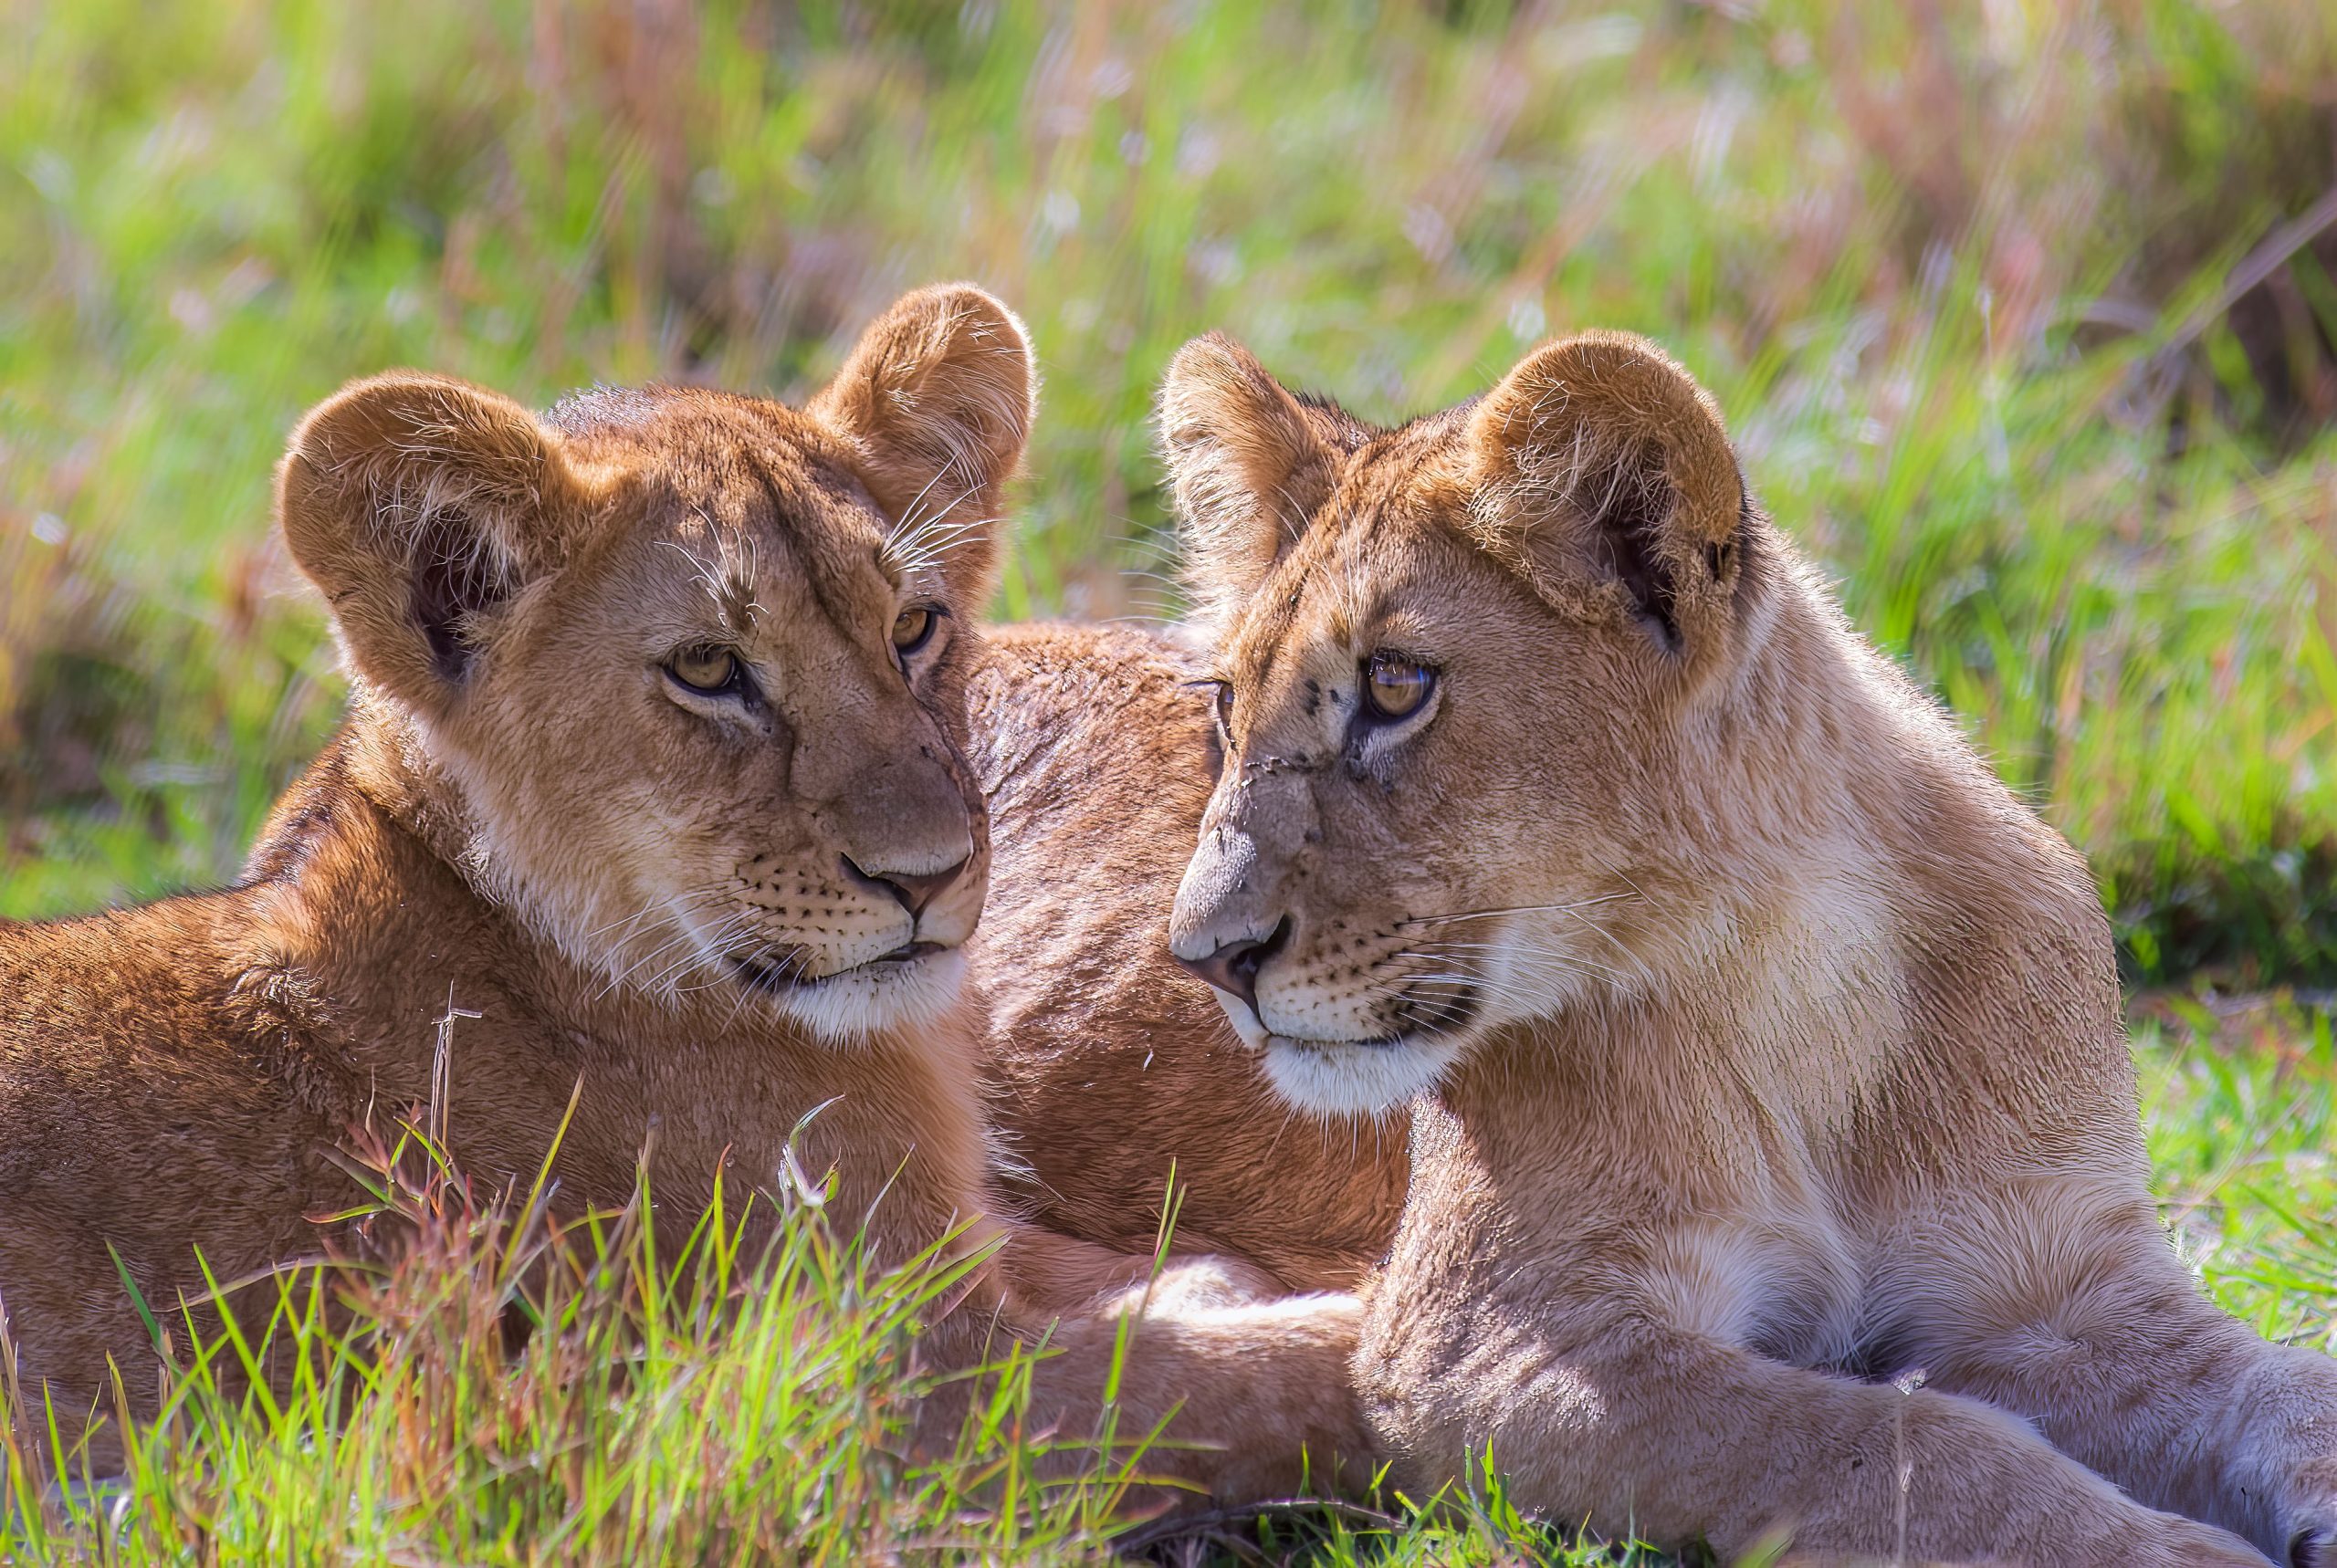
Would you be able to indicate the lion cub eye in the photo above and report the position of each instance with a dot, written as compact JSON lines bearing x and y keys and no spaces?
{"x":913,"y":629}
{"x":1395,"y":687}
{"x":709,"y":672}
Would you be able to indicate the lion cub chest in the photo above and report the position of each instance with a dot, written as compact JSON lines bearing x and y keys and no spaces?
{"x":1757,"y":1250}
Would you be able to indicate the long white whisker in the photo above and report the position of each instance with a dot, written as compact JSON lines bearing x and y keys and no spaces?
{"x":697,"y":950}
{"x":680,"y":935}
{"x":675,"y":905}
{"x":1514,"y":909}
{"x":1458,"y":953}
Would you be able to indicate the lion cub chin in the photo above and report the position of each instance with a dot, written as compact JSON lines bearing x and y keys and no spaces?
{"x":652,"y":786}
{"x":1775,"y":1166}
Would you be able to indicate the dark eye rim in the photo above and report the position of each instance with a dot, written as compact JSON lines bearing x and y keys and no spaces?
{"x":735,"y":685}
{"x":1423,"y":686}
{"x":935,"y":615}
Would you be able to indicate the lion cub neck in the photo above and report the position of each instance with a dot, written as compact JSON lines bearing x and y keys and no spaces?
{"x":371,"y":943}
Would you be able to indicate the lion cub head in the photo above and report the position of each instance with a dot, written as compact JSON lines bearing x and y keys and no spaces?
{"x":1462,"y":669}
{"x":686,"y":665}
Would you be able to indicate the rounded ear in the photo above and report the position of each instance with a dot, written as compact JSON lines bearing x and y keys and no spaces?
{"x":419,"y":505}
{"x":1603,"y":472}
{"x":1249,"y":463}
{"x":938,"y":399}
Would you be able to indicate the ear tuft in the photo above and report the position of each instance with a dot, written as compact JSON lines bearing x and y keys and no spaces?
{"x":418,"y":505}
{"x":938,"y":399}
{"x":454,"y":582}
{"x":1602,"y":466}
{"x":1250,"y":465}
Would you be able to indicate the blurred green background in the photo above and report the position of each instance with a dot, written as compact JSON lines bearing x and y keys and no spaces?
{"x":2022,"y":315}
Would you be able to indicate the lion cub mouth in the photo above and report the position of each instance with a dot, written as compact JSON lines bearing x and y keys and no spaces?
{"x":1368,"y":1043}
{"x":783,"y":974}
{"x":1428,"y":1023}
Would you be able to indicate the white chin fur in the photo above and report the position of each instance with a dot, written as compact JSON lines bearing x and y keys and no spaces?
{"x":858,"y":1003}
{"x":1342,"y":1079}
{"x":1355,"y":1079}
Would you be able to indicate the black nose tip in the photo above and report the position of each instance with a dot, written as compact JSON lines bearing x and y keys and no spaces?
{"x":1233,"y":968}
{"x":913,"y":891}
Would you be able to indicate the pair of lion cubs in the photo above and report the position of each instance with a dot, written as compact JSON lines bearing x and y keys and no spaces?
{"x":1761,"y":1049}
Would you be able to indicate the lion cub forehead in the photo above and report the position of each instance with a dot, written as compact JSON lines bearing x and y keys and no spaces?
{"x":748,"y":505}
{"x":775,"y":572}
{"x":1394,"y":575}
{"x":728,"y":454}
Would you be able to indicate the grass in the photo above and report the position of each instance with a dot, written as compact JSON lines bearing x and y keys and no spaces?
{"x":2023,"y":316}
{"x":2237,"y":1098}
{"x":1967,"y":282}
{"x":677,"y":1400}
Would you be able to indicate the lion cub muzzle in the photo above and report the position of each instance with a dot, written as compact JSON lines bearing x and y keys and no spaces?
{"x":859,"y":920}
{"x":1350,"y":1018}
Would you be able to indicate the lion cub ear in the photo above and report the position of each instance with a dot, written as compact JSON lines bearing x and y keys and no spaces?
{"x":419,"y":505}
{"x":1604,"y":475}
{"x":1249,"y":464}
{"x":938,"y":398}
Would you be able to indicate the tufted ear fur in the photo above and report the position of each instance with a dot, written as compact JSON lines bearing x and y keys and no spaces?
{"x":938,"y":399}
{"x":1603,"y":473}
{"x":1249,"y":464}
{"x":420,"y":506}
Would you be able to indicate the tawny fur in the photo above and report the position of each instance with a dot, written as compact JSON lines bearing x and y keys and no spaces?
{"x":668,"y":898}
{"x":1112,"y":1067}
{"x":1775,"y":1160}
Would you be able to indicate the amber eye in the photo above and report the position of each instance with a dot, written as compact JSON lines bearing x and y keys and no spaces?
{"x":1395,"y":687}
{"x":913,"y":629}
{"x":1225,"y":708}
{"x":709,"y":672}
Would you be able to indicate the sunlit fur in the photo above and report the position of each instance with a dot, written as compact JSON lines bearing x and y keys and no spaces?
{"x":537,"y":894}
{"x":1778,"y":1168}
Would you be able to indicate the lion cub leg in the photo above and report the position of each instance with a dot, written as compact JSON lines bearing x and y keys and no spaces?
{"x":1255,"y":1401}
{"x":1248,"y":1402}
{"x":1633,"y":1424}
{"x":1051,"y":1272}
{"x":2079,"y":1316}
{"x":1622,"y":1350}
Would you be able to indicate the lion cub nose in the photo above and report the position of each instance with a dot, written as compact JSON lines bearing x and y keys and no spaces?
{"x":913,"y":891}
{"x":1233,"y":968}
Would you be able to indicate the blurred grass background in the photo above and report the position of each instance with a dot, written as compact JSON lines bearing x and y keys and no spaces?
{"x":2022,"y":313}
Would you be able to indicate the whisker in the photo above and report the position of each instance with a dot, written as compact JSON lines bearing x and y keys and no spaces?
{"x":620,"y":976}
{"x":686,"y":901}
{"x":1456,"y":952}
{"x":1513,"y":909}
{"x":696,"y":952}
{"x":681,"y":935}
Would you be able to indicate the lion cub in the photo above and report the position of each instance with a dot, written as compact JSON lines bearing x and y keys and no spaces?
{"x":1776,"y":1162}
{"x":652,"y":771}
